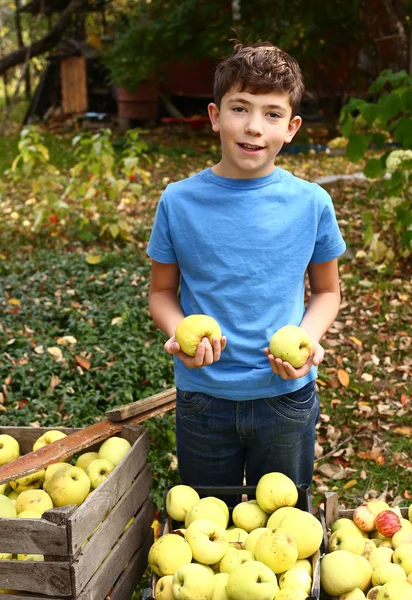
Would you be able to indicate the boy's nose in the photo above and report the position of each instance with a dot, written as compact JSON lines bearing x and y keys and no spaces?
{"x":254,"y":126}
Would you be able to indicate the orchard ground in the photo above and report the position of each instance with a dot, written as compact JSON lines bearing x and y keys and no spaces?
{"x":50,"y":289}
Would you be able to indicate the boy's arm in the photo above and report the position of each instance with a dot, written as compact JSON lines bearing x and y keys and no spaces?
{"x":167,"y":312}
{"x":323,"y":306}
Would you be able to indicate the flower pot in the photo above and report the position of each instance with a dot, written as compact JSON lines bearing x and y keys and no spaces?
{"x":142,"y":103}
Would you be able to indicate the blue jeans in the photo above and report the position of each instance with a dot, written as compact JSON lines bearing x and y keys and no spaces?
{"x":218,"y":441}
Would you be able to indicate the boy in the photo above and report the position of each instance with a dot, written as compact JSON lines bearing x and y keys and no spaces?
{"x":238,"y":239}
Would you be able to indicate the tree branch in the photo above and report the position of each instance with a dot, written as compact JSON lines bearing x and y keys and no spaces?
{"x":47,"y":43}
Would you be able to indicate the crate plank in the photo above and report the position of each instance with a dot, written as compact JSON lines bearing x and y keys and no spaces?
{"x":95,"y":508}
{"x":131,"y":577}
{"x":32,"y":536}
{"x":112,"y":527}
{"x":39,"y":577}
{"x":102,"y":581}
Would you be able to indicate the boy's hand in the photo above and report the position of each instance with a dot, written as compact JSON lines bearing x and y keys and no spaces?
{"x":285,"y":369}
{"x":206,"y":353}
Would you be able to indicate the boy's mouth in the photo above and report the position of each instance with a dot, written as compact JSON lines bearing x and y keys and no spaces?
{"x":250,"y":147}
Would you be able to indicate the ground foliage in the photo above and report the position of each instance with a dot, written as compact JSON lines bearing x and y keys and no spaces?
{"x":77,"y":339}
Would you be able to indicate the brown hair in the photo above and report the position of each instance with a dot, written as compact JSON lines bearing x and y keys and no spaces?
{"x":259,"y":68}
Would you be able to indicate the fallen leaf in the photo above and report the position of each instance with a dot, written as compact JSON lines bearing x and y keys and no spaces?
{"x":55,"y":352}
{"x":39,"y":350}
{"x":83,"y":362}
{"x":367,"y":377}
{"x":350,"y":484}
{"x":54,"y":381}
{"x":117,"y":321}
{"x":93,"y":259}
{"x":355,"y":340}
{"x":343,"y":377}
{"x":14,"y":301}
{"x":407,"y":430}
{"x":66,"y":339}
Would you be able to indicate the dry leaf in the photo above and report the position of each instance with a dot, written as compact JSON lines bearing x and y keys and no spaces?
{"x":55,"y":352}
{"x":343,"y":377}
{"x":39,"y":350}
{"x":83,"y":362}
{"x":350,"y":484}
{"x":367,"y":377}
{"x":14,"y":301}
{"x":117,"y":321}
{"x":355,"y":340}
{"x":54,"y":381}
{"x":66,"y":339}
{"x":407,"y":430}
{"x":93,"y":259}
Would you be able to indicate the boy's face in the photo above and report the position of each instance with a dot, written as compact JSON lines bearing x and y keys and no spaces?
{"x":253,"y":129}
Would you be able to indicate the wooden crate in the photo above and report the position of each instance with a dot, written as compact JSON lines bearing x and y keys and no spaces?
{"x":244,"y":492}
{"x":88,"y":555}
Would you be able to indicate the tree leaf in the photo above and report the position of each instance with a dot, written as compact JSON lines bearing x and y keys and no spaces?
{"x":83,"y":362}
{"x":343,"y":377}
{"x":93,"y":259}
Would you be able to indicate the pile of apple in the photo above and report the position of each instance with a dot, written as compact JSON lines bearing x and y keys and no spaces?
{"x":264,"y":555}
{"x":60,"y":484}
{"x":370,"y":555}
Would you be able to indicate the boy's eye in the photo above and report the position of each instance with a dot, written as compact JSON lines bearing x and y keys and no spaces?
{"x":238,"y":108}
{"x":274,"y":115}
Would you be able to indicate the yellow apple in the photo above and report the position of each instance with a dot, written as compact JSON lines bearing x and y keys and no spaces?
{"x":48,"y":438}
{"x":276,"y":517}
{"x":114,"y":449}
{"x":193,"y":582}
{"x":346,"y":539}
{"x":6,"y":556}
{"x":208,"y":540}
{"x":373,"y":592}
{"x":99,"y":470}
{"x":344,"y":522}
{"x":51,"y":470}
{"x":306,"y":530}
{"x":387,"y":572}
{"x":380,"y":555}
{"x":164,"y":589}
{"x":37,"y":500}
{"x":355,"y":594}
{"x":340,"y":572}
{"x":29,"y":514}
{"x":179,"y":499}
{"x":168,"y":553}
{"x":275,"y":490}
{"x":220,"y":586}
{"x":277,"y":549}
{"x":305,"y":564}
{"x":403,"y":556}
{"x":395,"y":590}
{"x":206,"y":509}
{"x":13,"y":495}
{"x":30,"y":557}
{"x":68,"y":486}
{"x":367,"y":572}
{"x":85,"y":459}
{"x":368,"y":549}
{"x":406,"y":525}
{"x":237,"y":535}
{"x":29,"y":482}
{"x":364,"y":518}
{"x":4,"y":489}
{"x":248,"y":515}
{"x":254,"y":580}
{"x":292,"y":344}
{"x":296,"y":578}
{"x":192,"y":329}
{"x":9,"y":449}
{"x":252,"y":538}
{"x":234,"y":558}
{"x":288,"y":593}
{"x":377,"y":506}
{"x":220,"y":503}
{"x":7,"y":508}
{"x":401,"y":537}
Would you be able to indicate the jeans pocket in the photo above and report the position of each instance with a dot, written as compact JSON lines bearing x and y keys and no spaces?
{"x":190,"y":404}
{"x":296,"y":406}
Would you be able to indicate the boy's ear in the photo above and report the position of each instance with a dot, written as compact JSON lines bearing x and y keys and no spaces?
{"x":293,"y":127}
{"x":214,"y":116}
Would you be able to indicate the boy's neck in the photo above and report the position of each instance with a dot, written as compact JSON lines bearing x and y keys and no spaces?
{"x":219,"y":169}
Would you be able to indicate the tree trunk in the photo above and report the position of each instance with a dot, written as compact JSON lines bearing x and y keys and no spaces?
{"x":385,"y":20}
{"x":21,"y":45}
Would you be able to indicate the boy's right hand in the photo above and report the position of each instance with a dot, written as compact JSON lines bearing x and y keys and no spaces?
{"x":206,"y":353}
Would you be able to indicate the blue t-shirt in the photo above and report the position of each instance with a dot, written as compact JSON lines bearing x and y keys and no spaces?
{"x":243,"y":247}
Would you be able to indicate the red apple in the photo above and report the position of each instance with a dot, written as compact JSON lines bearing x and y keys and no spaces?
{"x":364,"y":518}
{"x":387,"y":523}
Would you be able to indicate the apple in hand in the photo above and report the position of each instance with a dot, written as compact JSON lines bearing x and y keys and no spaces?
{"x":193,"y":582}
{"x":48,"y":438}
{"x":253,"y":579}
{"x":179,"y":499}
{"x":291,"y":344}
{"x":9,"y":449}
{"x":68,"y":486}
{"x":114,"y":449}
{"x":208,"y":540}
{"x":192,"y":329}
{"x":277,"y":549}
{"x":274,"y":490}
{"x":98,"y":471}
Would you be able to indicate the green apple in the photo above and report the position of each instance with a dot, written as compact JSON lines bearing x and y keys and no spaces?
{"x":208,"y":540}
{"x":277,"y":549}
{"x":68,"y":486}
{"x":248,"y":515}
{"x":401,"y":537}
{"x":29,"y":514}
{"x":403,"y":556}
{"x":192,"y":329}
{"x":6,"y":556}
{"x":274,"y":490}
{"x":252,"y":538}
{"x":220,"y":586}
{"x":164,"y":589}
{"x":296,"y":578}
{"x":340,"y":572}
{"x":276,"y":517}
{"x":99,"y":470}
{"x":345,"y":522}
{"x":380,"y":555}
{"x":395,"y":590}
{"x":30,"y":557}
{"x":306,"y":530}
{"x":7,"y":507}
{"x":4,"y":489}
{"x":355,"y":594}
{"x":387,"y":572}
{"x":114,"y":449}
{"x":84,"y":460}
{"x":48,"y":438}
{"x":13,"y":495}
{"x":168,"y":553}
{"x":206,"y":509}
{"x":254,"y":580}
{"x":234,"y":558}
{"x":37,"y":500}
{"x":9,"y":449}
{"x":292,"y":344}
{"x":346,"y":539}
{"x":220,"y":503}
{"x":406,"y":524}
{"x":179,"y":499}
{"x":51,"y":470}
{"x":237,"y":535}
{"x":367,"y":572}
{"x":29,"y":482}
{"x":291,"y":594}
{"x":193,"y":582}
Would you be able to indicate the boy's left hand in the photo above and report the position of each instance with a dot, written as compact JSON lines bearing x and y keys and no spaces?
{"x":285,"y":369}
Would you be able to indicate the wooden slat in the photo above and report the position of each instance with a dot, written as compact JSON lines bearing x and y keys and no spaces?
{"x":132,"y":576}
{"x":73,"y":84}
{"x":94,"y":509}
{"x":32,"y":536}
{"x":102,"y":580}
{"x":51,"y":579}
{"x":136,"y":408}
{"x":111,"y":529}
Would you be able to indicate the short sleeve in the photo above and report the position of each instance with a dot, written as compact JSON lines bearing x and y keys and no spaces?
{"x":329,"y":241}
{"x":160,"y":247}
